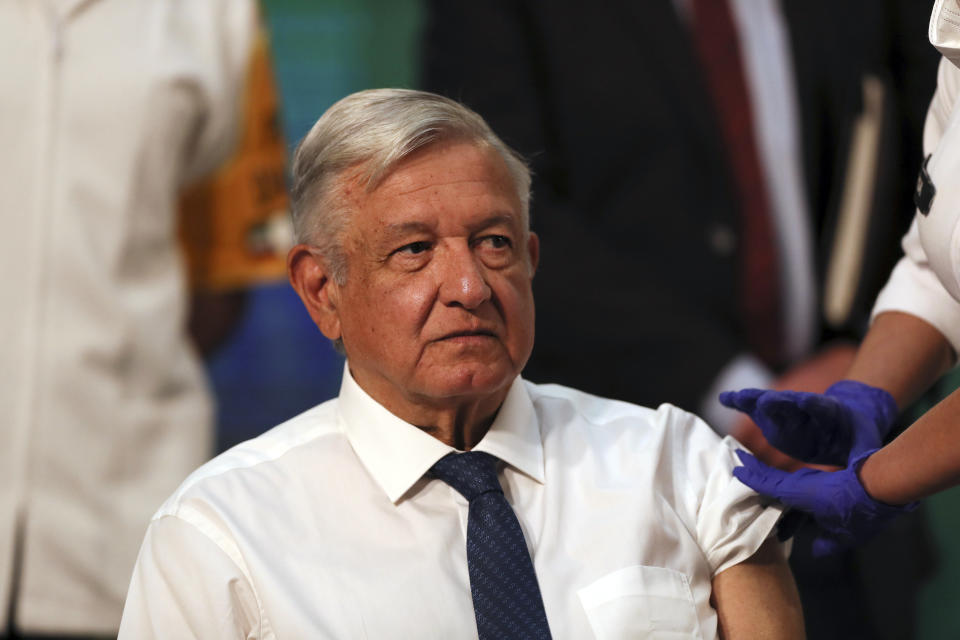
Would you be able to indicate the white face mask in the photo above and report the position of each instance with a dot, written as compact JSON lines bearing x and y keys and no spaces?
{"x":944,"y":31}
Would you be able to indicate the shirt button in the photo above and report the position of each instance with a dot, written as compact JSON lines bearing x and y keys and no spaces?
{"x":723,"y":240}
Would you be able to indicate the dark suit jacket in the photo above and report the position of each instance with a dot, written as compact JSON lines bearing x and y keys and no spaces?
{"x":637,"y":287}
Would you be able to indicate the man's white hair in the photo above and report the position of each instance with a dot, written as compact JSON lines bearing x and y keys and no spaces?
{"x":364,"y":136}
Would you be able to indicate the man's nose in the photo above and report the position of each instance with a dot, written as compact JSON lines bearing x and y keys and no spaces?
{"x":462,"y":279}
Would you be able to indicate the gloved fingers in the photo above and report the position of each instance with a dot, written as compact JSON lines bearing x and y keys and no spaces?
{"x":759,"y":476}
{"x":806,"y":426}
{"x":795,"y":409}
{"x":799,"y":489}
{"x":750,"y":461}
{"x":744,"y":400}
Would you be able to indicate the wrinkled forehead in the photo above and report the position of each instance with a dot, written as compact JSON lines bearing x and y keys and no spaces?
{"x":455,"y":181}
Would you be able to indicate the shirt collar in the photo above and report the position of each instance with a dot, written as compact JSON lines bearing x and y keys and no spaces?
{"x":397,"y":454}
{"x":943,"y":31}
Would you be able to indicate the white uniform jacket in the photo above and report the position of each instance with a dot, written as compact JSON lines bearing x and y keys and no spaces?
{"x":107,"y":107}
{"x":926,"y":281}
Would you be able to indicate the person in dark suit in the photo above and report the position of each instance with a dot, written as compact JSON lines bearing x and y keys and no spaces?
{"x":641,"y":207}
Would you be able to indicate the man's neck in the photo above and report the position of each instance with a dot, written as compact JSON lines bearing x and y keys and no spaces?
{"x":461,"y":432}
{"x":460,"y":422}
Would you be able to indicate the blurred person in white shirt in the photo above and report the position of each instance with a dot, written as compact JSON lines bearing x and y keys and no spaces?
{"x":143,"y":182}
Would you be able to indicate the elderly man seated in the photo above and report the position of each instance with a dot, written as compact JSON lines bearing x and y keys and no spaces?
{"x":440,"y":495}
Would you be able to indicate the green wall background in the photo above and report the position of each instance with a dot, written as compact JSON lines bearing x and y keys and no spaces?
{"x":938,"y":615}
{"x":326,"y":49}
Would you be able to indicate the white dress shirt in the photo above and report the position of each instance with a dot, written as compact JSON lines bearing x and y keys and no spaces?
{"x":325,"y":526}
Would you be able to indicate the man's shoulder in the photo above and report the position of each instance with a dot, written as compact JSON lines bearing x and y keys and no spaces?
{"x":599,"y":411}
{"x":315,"y":428}
{"x":662,"y":447}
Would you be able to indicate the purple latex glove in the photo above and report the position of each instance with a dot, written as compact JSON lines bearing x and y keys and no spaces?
{"x":836,"y":500}
{"x":830,"y":428}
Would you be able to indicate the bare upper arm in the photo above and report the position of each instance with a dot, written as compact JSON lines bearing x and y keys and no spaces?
{"x":758,"y":599}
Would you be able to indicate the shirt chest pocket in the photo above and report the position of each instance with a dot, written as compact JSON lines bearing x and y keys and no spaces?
{"x":643,"y":603}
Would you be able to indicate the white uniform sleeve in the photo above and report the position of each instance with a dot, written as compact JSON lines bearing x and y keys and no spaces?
{"x":731,"y":520}
{"x":221,"y":34}
{"x":913,"y":287}
{"x":185,"y":585}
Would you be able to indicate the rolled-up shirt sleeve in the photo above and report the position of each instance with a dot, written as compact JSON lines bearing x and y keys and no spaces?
{"x":731,"y":520}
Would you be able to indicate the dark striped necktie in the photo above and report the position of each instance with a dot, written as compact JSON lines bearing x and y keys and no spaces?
{"x":506,"y":596}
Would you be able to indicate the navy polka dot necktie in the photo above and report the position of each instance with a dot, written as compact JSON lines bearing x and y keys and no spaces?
{"x":506,"y":596}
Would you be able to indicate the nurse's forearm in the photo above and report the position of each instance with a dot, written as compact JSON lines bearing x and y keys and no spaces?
{"x":922,"y":460}
{"x":903,"y":355}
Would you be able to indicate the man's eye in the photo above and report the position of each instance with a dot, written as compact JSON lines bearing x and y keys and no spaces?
{"x":414,"y":248}
{"x":497,"y":242}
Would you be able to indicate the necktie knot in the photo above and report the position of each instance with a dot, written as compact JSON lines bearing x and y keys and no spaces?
{"x":472,"y":473}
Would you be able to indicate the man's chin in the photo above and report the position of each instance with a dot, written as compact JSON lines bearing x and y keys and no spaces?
{"x":469,"y":379}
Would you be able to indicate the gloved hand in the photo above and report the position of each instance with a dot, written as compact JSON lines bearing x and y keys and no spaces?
{"x":836,"y":500}
{"x":848,"y":419}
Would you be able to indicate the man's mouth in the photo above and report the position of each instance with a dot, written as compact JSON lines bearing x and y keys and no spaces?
{"x":471,"y":333}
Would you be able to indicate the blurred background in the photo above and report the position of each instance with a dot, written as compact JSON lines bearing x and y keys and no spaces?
{"x":277,"y":364}
{"x":720,"y":187}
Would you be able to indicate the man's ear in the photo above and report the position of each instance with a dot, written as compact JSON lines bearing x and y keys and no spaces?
{"x":314,"y":283}
{"x":533,"y":250}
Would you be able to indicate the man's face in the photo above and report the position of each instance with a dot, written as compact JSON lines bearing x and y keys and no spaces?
{"x":437,"y":307}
